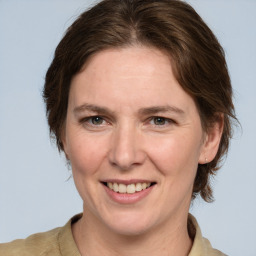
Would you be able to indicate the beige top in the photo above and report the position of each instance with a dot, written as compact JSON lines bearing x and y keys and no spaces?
{"x":60,"y":242}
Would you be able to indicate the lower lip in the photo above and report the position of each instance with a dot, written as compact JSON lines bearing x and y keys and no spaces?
{"x":125,"y":198}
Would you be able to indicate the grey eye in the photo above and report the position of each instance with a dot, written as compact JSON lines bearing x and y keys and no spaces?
{"x":97,"y":120}
{"x":159,"y":120}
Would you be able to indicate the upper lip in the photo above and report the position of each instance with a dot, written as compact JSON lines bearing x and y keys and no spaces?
{"x":127,"y":182}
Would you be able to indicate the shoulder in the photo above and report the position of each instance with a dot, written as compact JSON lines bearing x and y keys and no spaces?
{"x":42,"y":244}
{"x":56,"y":242}
{"x":201,"y":246}
{"x":211,"y":251}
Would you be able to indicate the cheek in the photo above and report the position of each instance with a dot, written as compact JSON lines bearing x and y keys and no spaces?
{"x":86,"y":154}
{"x":175,"y":155}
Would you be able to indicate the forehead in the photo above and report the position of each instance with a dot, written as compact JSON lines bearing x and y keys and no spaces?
{"x":127,"y":63}
{"x":133,"y":75}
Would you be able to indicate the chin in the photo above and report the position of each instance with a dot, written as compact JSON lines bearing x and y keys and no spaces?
{"x":129,"y":230}
{"x":130,"y":224}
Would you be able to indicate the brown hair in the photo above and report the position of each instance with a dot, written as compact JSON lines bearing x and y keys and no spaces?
{"x":169,"y":25}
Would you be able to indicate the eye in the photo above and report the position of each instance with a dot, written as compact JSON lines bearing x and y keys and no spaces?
{"x":96,"y":120}
{"x":160,"y":120}
{"x":91,"y":121}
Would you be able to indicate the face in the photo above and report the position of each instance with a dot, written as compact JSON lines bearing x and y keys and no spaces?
{"x":134,"y":139}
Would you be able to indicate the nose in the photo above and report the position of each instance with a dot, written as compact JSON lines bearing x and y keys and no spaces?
{"x":126,"y":151}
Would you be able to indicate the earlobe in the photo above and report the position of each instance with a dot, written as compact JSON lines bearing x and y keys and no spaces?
{"x":212,"y":141}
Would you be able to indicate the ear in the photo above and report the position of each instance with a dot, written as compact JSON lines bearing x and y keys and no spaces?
{"x":64,"y":140}
{"x":212,"y":141}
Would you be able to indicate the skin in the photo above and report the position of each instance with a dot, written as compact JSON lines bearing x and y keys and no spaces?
{"x":112,"y":132}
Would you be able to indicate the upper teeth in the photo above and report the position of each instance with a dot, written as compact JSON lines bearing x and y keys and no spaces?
{"x":130,"y":189}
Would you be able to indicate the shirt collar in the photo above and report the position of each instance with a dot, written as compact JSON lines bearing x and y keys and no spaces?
{"x":68,"y":247}
{"x":201,"y":246}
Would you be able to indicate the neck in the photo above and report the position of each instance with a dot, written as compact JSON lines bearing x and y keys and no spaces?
{"x":93,"y":238}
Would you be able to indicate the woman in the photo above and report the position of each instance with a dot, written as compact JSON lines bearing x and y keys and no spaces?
{"x":139,"y":99}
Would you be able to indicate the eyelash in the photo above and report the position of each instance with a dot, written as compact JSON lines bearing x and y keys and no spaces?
{"x":166,"y":121}
{"x":89,"y":121}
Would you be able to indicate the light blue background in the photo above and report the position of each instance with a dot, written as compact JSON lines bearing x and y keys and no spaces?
{"x":34,"y":192}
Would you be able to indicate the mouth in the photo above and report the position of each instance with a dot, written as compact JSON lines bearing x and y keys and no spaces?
{"x":131,"y":188}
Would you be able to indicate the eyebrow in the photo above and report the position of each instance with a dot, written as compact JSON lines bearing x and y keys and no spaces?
{"x":92,"y":108}
{"x":143,"y":111}
{"x":161,"y":109}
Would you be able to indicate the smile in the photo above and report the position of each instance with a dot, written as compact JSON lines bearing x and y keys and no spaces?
{"x":128,"y":189}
